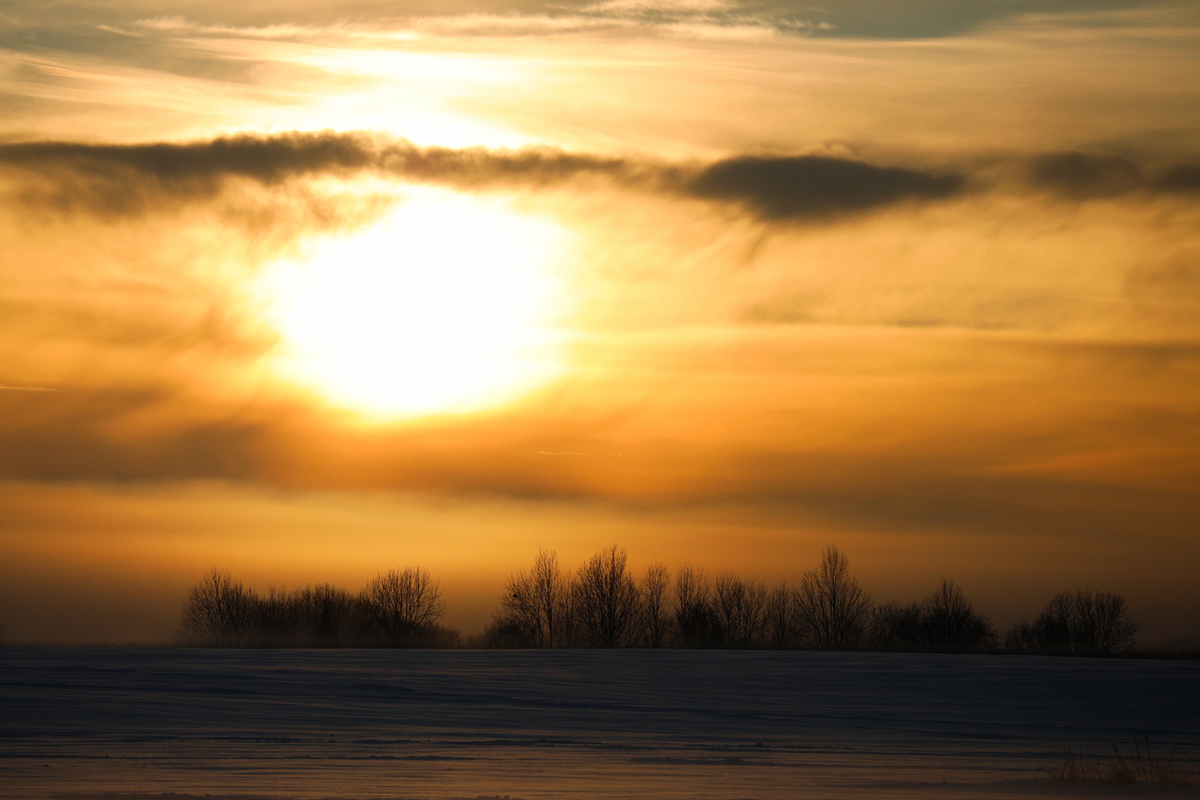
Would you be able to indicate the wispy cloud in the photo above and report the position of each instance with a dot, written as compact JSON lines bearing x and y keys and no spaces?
{"x":700,"y":19}
{"x":182,"y":26}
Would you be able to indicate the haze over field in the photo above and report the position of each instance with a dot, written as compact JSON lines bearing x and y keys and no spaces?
{"x":311,"y":290}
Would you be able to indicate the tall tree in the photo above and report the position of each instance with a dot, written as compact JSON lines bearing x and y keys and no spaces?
{"x":605,"y":600}
{"x":693,"y":610}
{"x":782,"y":625}
{"x":218,"y":612}
{"x":536,"y":604}
{"x":834,"y":609}
{"x":326,"y":615}
{"x":401,"y":603}
{"x":654,"y":605}
{"x":739,"y":607}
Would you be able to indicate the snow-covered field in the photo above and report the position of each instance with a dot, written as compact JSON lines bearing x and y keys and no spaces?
{"x":576,"y":724}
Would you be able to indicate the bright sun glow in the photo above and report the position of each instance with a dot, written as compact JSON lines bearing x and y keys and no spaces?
{"x":446,"y":306}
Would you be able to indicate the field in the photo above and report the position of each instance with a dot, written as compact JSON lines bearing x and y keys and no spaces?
{"x":582,"y":724}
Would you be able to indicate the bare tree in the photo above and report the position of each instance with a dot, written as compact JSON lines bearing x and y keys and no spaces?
{"x":1083,"y":622}
{"x":949,"y":622}
{"x":273,"y":621}
{"x":693,"y":613}
{"x":400,"y":604}
{"x":1104,"y":627}
{"x":782,"y":626}
{"x":325,"y":615}
{"x":738,"y":606}
{"x":654,"y":605}
{"x":535,"y":608}
{"x":833,"y":607}
{"x":605,"y":600}
{"x":218,"y":612}
{"x":897,"y":627}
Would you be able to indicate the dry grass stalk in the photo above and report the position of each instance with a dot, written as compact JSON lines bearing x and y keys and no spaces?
{"x":1137,"y":765}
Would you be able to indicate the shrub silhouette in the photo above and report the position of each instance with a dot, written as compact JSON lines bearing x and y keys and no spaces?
{"x":944,"y":621}
{"x":1083,"y":622}
{"x":221,"y":612}
{"x":898,"y":627}
{"x":950,"y":622}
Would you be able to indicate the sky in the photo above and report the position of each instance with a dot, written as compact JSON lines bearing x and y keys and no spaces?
{"x":310,"y":290}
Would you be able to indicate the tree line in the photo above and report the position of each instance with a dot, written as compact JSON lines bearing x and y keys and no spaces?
{"x":399,"y":608}
{"x":603,"y":604}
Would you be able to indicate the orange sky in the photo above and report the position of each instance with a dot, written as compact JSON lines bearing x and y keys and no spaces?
{"x":311,"y":290}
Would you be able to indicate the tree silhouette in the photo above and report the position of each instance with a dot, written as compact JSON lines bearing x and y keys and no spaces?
{"x":693,"y":614}
{"x":603,"y":606}
{"x":834,"y":610}
{"x":1103,"y":626}
{"x":325,"y":616}
{"x":654,"y":605}
{"x":738,"y":607}
{"x":535,"y":608}
{"x":218,"y":612}
{"x":897,"y":627}
{"x":1083,"y":622}
{"x":950,"y":623}
{"x":402,"y":603}
{"x":782,"y":624}
{"x":605,"y":601}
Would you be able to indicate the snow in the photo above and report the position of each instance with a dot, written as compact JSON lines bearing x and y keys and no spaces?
{"x":577,"y":724}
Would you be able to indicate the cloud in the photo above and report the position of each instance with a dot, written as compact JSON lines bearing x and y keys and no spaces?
{"x":183,"y":26}
{"x":135,"y":179}
{"x":1181,"y":178}
{"x":817,"y":186}
{"x":660,"y":6}
{"x":690,"y":19}
{"x":123,"y":180}
{"x":1084,"y":176}
{"x":120,"y":180}
{"x":120,"y":434}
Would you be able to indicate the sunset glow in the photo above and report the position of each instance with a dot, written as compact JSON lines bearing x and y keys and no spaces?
{"x":384,"y":284}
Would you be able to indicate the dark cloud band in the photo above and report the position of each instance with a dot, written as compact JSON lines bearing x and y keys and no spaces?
{"x":123,"y":180}
{"x":1085,"y":176}
{"x":817,"y":186}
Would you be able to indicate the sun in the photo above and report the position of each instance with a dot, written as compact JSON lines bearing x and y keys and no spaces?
{"x":448,"y":305}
